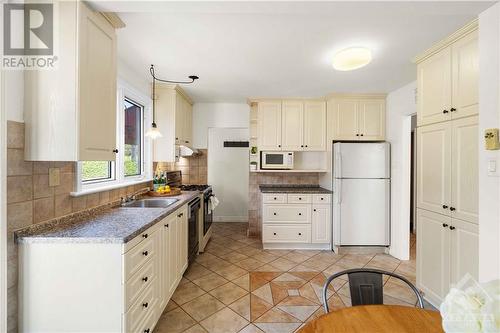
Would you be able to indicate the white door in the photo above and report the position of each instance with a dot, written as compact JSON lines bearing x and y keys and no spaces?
{"x":464,"y":250}
{"x":345,"y":120}
{"x":465,"y":89}
{"x":433,"y":254}
{"x":464,"y":166}
{"x":371,"y":120}
{"x":228,"y":173}
{"x":362,"y":160}
{"x":315,"y":126}
{"x":434,"y":167}
{"x":321,"y":224}
{"x":292,"y":125}
{"x":434,"y":88}
{"x":364,"y":211}
{"x":269,"y":124}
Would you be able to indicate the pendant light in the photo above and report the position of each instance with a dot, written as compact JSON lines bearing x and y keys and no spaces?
{"x":153,"y":132}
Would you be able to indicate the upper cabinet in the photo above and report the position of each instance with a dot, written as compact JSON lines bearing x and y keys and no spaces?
{"x":174,"y":111}
{"x":358,"y":118}
{"x":294,"y":125}
{"x":70,"y":111}
{"x":447,"y":77}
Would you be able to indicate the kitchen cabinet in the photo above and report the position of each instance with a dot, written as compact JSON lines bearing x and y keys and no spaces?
{"x":447,"y":78}
{"x":70,"y":112}
{"x":447,"y":170}
{"x":314,"y":126}
{"x":292,"y":124}
{"x":269,"y":125}
{"x":296,"y":221}
{"x":119,"y":287}
{"x":356,"y":118}
{"x":174,"y":120}
{"x":447,"y":251}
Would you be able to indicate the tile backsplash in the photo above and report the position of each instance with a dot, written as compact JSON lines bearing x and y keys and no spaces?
{"x":193,"y":168}
{"x":31,"y":200}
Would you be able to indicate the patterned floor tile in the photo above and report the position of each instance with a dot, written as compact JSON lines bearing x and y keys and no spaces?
{"x":251,"y":329}
{"x":278,"y":327}
{"x":174,"y":321}
{"x":195,"y":329}
{"x":242,"y":307}
{"x":228,"y":293}
{"x":186,"y":292}
{"x":196,"y":271}
{"x":243,"y":281}
{"x":276,"y":315}
{"x":202,"y":307}
{"x":210,"y":281}
{"x":231,"y":272}
{"x":224,"y":321}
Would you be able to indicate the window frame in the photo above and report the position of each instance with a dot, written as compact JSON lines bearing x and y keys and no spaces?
{"x":124,"y":90}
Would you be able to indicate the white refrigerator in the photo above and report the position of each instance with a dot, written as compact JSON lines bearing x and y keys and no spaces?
{"x":361,"y":187}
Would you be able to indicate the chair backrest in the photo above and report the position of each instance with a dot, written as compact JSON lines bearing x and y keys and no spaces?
{"x":366,"y":286}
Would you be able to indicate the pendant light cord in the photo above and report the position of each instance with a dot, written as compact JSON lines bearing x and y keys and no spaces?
{"x":192,"y":77}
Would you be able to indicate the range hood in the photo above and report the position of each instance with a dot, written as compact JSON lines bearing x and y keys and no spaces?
{"x":186,"y":151}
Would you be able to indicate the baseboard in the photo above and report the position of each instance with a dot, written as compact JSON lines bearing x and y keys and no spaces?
{"x":362,"y":249}
{"x":230,"y":219}
{"x":296,"y":246}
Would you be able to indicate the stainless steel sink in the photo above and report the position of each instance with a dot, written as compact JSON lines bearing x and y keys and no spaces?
{"x":151,"y":203}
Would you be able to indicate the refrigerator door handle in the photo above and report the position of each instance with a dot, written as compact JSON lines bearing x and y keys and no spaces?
{"x":339,"y":165}
{"x":339,"y":191}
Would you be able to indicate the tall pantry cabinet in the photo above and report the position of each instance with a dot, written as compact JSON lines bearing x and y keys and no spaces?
{"x":447,"y":164}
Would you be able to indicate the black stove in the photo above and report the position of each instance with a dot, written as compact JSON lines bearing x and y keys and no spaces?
{"x":193,"y":187}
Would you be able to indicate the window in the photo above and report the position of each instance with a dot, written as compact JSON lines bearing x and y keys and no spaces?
{"x":133,"y":161}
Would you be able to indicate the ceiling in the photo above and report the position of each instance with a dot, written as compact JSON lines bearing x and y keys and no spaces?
{"x":281,"y":49}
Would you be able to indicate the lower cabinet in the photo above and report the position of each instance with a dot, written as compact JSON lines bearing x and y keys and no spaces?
{"x":296,"y":221}
{"x":447,"y":252}
{"x":103,"y":287}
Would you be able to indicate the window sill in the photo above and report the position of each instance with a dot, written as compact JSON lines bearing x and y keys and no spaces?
{"x":109,"y":187}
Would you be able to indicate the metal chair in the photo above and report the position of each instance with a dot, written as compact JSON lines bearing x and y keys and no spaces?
{"x":366,"y":286}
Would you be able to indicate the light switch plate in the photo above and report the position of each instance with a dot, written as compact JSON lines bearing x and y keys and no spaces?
{"x":54,"y":177}
{"x":493,"y":167}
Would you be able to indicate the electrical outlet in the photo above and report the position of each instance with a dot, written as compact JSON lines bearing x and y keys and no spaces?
{"x":54,"y":176}
{"x":493,"y":169}
{"x":491,"y":141}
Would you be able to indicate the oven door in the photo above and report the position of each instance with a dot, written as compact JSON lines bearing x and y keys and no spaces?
{"x":193,"y":218}
{"x":208,"y":215}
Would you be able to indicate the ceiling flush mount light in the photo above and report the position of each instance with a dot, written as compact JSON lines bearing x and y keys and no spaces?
{"x":153,"y":132}
{"x":352,"y":58}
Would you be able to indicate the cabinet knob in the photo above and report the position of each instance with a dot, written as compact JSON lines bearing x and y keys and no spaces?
{"x":452,"y":209}
{"x":145,"y":235}
{"x":444,"y":225}
{"x":302,"y":146}
{"x":166,"y":225}
{"x":445,"y":111}
{"x":444,"y":206}
{"x":145,"y":279}
{"x":145,"y":253}
{"x":300,"y":213}
{"x":279,"y":146}
{"x":275,"y":198}
{"x":300,"y":198}
{"x":361,"y":134}
{"x":115,"y":151}
{"x":186,"y":141}
{"x":453,"y":110}
{"x":300,"y":234}
{"x":452,"y":227}
{"x":314,"y":209}
{"x":306,"y":146}
{"x":275,"y":214}
{"x":357,"y":134}
{"x":180,"y":215}
{"x":274,"y":233}
{"x":145,"y":304}
{"x":176,"y":138}
{"x":147,"y":330}
{"x":322,"y":198}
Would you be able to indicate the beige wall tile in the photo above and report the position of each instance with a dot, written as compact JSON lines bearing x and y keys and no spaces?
{"x":66,"y":183}
{"x":41,"y":168}
{"x":114,"y":194}
{"x":92,"y":200}
{"x":12,"y":309}
{"x":12,"y":272}
{"x":16,"y":165}
{"x":79,"y":203}
{"x":43,"y":209}
{"x":62,"y":205}
{"x":15,"y":135}
{"x":104,"y":197}
{"x":41,"y":188}
{"x":19,"y":188}
{"x":66,"y":167}
{"x":19,"y":215}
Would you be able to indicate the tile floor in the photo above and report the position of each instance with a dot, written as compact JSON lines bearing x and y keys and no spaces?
{"x":236,"y":286}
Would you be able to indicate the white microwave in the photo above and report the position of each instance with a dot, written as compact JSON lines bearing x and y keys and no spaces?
{"x":276,"y":160}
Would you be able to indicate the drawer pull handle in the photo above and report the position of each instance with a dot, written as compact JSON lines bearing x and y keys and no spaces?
{"x":145,"y":279}
{"x":445,"y":111}
{"x":166,"y":225}
{"x":453,"y":110}
{"x":145,"y":304}
{"x":300,"y":234}
{"x":452,"y":208}
{"x":145,"y":253}
{"x":274,"y":233}
{"x":452,"y":227}
{"x":147,"y":330}
{"x":444,"y":206}
{"x":445,"y":225}
{"x":145,"y":235}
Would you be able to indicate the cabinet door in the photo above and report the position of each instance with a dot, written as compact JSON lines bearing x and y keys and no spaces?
{"x":173,"y":254}
{"x":434,"y":167}
{"x":464,"y":250}
{"x":434,"y":88}
{"x":465,"y":85}
{"x":269,"y":125}
{"x":345,"y":120}
{"x":292,"y":125}
{"x":371,"y":120}
{"x":465,"y":173}
{"x":97,"y":87}
{"x":166,"y":278}
{"x":179,"y":119}
{"x":321,"y":224}
{"x":315,"y":126}
{"x":182,"y":233}
{"x":163,"y":148}
{"x":433,"y":254}
{"x":188,"y":123}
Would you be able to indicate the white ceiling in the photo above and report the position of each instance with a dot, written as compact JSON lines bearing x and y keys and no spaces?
{"x":272,"y":49}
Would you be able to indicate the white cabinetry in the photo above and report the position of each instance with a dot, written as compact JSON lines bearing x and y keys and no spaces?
{"x":118,"y":287}
{"x":269,"y":125}
{"x":70,"y":111}
{"x":358,"y":118}
{"x":174,"y":120}
{"x":296,"y":221}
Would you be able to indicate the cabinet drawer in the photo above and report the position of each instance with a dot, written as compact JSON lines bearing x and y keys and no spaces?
{"x":135,"y":317}
{"x":274,"y":198}
{"x":299,"y":198}
{"x":287,"y":213}
{"x":140,"y":254}
{"x":140,"y":281}
{"x":321,"y":198}
{"x":293,"y":233}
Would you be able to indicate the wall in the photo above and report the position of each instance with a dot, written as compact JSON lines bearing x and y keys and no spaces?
{"x":489,"y":116}
{"x":222,"y":115}
{"x":193,"y":168}
{"x":400,"y":104}
{"x":14,"y":95}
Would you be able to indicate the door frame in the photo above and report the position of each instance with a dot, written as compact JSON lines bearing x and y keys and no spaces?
{"x":3,"y":207}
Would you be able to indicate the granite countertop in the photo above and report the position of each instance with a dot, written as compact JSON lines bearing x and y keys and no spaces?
{"x":292,"y":188}
{"x":113,"y":225}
